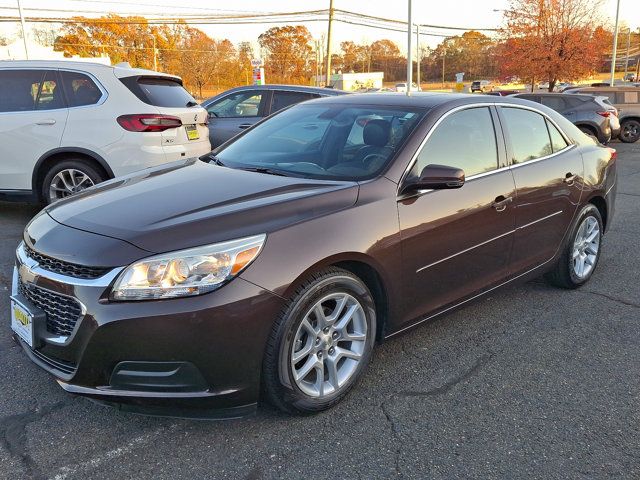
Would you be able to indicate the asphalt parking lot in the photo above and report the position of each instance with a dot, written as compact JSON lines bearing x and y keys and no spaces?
{"x":531,"y":382}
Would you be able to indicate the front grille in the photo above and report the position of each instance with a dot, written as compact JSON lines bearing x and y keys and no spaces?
{"x":62,"y":312}
{"x":65,"y":268}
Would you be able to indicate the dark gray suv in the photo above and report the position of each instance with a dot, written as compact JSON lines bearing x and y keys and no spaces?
{"x":237,"y":109}
{"x":590,"y":114}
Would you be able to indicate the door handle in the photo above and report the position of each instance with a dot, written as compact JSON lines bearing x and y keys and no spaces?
{"x":48,"y":121}
{"x":569,"y":178}
{"x":501,"y":202}
{"x":244,"y":125}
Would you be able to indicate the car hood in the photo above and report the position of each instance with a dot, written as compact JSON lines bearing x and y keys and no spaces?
{"x":192,"y":203}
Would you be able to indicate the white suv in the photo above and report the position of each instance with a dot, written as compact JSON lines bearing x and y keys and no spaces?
{"x":65,"y":125}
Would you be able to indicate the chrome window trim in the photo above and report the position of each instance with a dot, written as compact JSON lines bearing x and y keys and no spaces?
{"x":414,"y":158}
{"x":102,"y":99}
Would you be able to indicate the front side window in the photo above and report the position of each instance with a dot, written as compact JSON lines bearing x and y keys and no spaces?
{"x":465,"y":139}
{"x":80,"y":89}
{"x":528,"y":133}
{"x":554,"y":102}
{"x":240,"y":104}
{"x":50,"y":95}
{"x":324,"y":141}
{"x":19,"y":89}
{"x":284,"y":99}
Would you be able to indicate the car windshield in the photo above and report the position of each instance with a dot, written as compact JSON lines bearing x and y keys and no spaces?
{"x":324,"y":141}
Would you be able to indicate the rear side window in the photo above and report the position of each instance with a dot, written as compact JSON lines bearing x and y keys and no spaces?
{"x":466,"y":140}
{"x":159,"y":92}
{"x":557,"y":140}
{"x":284,"y":99}
{"x":528,"y":133}
{"x":555,"y":103}
{"x":80,"y":89}
{"x":19,"y":90}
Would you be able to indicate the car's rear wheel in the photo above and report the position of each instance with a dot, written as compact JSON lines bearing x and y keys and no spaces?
{"x":630,"y":131}
{"x":321,"y":343}
{"x":582,"y":251}
{"x":69,"y":177}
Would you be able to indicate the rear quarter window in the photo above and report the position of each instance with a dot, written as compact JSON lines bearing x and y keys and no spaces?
{"x":159,"y":92}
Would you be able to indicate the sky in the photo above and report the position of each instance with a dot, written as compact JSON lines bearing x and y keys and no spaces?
{"x":472,"y":14}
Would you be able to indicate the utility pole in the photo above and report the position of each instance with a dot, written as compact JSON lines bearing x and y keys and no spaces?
{"x":409,"y":56}
{"x":155,"y":54}
{"x":615,"y":46}
{"x":626,"y":58}
{"x":638,"y":59}
{"x":329,"y":43}
{"x":418,"y":55}
{"x":24,"y":31}
{"x":444,"y":55}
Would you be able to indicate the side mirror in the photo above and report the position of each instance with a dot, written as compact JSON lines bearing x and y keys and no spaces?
{"x":436,"y":177}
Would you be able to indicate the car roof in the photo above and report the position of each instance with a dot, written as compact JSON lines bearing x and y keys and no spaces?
{"x":120,"y":70}
{"x":290,"y":88}
{"x":426,"y":100}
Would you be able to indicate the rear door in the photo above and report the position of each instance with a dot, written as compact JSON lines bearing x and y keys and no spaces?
{"x":33,"y":116}
{"x":235,"y":112}
{"x":548,"y":173}
{"x":284,"y":98}
{"x":457,"y":242}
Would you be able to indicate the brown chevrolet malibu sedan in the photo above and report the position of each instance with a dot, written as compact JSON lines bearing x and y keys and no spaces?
{"x":271,"y":269}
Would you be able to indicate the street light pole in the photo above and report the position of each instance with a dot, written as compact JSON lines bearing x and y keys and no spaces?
{"x":409,"y":57}
{"x":418,"y":55}
{"x":24,"y":31}
{"x":615,"y":46}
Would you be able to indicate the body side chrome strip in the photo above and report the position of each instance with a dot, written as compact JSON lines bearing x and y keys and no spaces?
{"x":488,"y":241}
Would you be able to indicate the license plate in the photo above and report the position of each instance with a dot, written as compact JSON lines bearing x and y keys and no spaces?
{"x":192,"y":132}
{"x":22,"y":322}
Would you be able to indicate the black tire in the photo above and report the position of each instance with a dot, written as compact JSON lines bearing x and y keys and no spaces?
{"x":563,"y":274}
{"x":630,"y":131}
{"x":278,"y":383}
{"x":95,"y":174}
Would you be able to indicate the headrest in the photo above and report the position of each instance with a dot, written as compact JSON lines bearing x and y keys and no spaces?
{"x":376,"y":133}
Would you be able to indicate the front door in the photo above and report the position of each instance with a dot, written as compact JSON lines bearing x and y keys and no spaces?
{"x":548,"y":173}
{"x":230,"y":115}
{"x":33,"y":115}
{"x":457,"y":242}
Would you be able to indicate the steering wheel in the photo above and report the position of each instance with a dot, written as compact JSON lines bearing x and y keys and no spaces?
{"x":310,"y":166}
{"x":370,"y":158}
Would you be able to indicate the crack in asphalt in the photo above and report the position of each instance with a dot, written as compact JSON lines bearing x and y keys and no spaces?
{"x":441,"y":390}
{"x":629,"y":194}
{"x":611,"y":297}
{"x":13,"y":434}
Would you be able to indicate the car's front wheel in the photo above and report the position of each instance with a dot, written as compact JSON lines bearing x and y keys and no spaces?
{"x":321,"y":343}
{"x":630,"y":131}
{"x":582,"y":251}
{"x":69,"y":177}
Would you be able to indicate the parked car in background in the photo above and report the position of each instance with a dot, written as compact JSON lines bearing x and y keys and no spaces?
{"x":237,"y":109}
{"x":271,"y":270}
{"x":630,"y":77}
{"x":503,"y":93}
{"x":65,"y":126}
{"x":627,"y":101}
{"x":402,"y":87}
{"x":482,"y":86}
{"x":588,"y":113}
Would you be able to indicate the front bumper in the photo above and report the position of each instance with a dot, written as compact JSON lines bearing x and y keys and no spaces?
{"x":183,"y":356}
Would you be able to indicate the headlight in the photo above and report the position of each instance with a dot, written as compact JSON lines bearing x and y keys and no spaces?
{"x":186,"y":272}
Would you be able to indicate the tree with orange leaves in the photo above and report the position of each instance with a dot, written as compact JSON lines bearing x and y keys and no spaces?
{"x":552,"y":40}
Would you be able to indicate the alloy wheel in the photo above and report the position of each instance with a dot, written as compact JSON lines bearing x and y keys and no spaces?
{"x":328,"y":345}
{"x":68,"y":182}
{"x":586,"y":247}
{"x":630,"y":132}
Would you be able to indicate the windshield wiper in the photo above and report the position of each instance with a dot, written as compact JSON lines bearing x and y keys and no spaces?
{"x":268,"y":171}
{"x":213,"y":159}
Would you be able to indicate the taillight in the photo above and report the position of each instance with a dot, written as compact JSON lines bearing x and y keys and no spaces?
{"x":614,"y":153}
{"x":604,"y":113}
{"x":148,"y":122}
